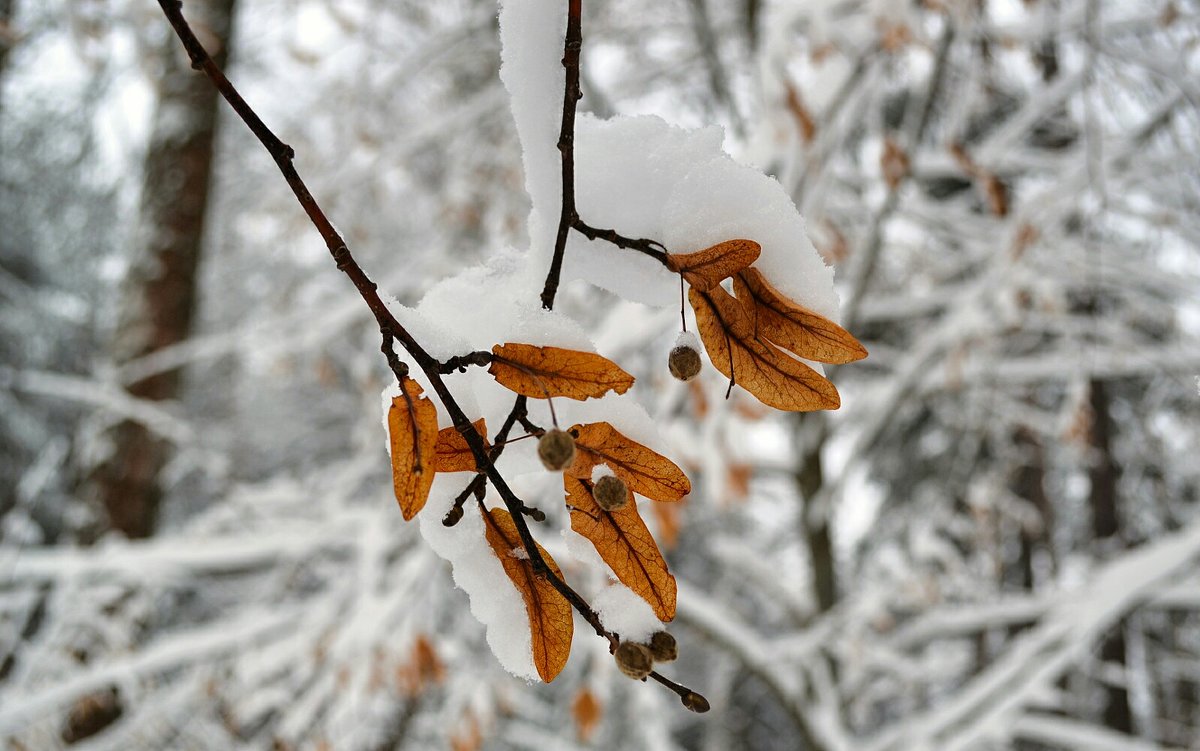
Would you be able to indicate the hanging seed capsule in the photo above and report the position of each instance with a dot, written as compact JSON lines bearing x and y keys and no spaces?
{"x":634,"y":660}
{"x":610,"y":493}
{"x":663,"y":647}
{"x":556,"y":449}
{"x":684,"y":362}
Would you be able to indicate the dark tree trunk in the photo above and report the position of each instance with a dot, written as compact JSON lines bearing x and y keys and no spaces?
{"x":159,"y":293}
{"x":1106,"y":523}
{"x":1106,"y":527}
{"x":816,"y":527}
{"x":1028,"y":483}
{"x":7,"y":36}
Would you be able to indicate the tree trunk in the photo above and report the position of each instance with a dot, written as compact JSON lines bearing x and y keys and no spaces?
{"x":818,"y":536}
{"x":1106,"y":526}
{"x":159,"y":292}
{"x":7,"y":36}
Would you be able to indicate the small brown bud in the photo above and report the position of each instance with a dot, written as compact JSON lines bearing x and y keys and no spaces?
{"x":452,"y":516}
{"x":695,"y":702}
{"x":634,"y":659}
{"x":556,"y":449}
{"x":663,"y":647}
{"x":610,"y":493}
{"x":684,"y":362}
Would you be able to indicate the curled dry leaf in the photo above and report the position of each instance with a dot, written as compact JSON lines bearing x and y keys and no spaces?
{"x":452,"y":452}
{"x":705,"y":269}
{"x":550,"y":621}
{"x":413,"y":433}
{"x":645,"y":471}
{"x":543,"y":372}
{"x":626,"y":545}
{"x":775,"y":378}
{"x":792,"y":326}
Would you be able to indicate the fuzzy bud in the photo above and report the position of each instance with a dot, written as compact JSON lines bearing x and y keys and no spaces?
{"x":663,"y":647}
{"x":556,"y":449}
{"x":610,"y":493}
{"x":695,"y":702}
{"x":452,"y":516}
{"x":634,"y":660}
{"x":684,"y":362}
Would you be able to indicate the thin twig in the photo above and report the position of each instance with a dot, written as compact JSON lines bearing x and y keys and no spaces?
{"x":566,"y":146}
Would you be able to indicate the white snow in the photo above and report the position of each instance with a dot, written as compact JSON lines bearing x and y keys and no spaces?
{"x":688,"y":339}
{"x":495,"y":601}
{"x":623,"y":612}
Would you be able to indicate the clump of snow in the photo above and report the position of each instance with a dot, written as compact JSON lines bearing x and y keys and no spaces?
{"x":720,"y":200}
{"x":495,"y":601}
{"x":688,"y":339}
{"x":601,"y":470}
{"x":643,"y":178}
{"x":623,"y":612}
{"x":581,"y":549}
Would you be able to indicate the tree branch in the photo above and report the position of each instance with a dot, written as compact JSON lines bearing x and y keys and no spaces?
{"x":389,"y":327}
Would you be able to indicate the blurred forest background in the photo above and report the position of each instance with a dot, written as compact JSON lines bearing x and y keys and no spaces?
{"x":992,"y":545}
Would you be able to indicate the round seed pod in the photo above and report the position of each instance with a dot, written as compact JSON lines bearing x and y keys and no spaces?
{"x":610,"y":493}
{"x":684,"y":362}
{"x":634,"y":660}
{"x":556,"y":449}
{"x":663,"y":647}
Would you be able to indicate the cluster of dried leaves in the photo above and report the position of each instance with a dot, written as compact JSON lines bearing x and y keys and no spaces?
{"x":748,"y":334}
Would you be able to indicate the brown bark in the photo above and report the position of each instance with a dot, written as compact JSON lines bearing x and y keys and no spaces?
{"x":158,"y":295}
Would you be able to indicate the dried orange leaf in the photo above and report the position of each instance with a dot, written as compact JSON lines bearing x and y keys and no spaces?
{"x":550,"y":620}
{"x":587,"y":711}
{"x":645,"y":471}
{"x":706,"y":268}
{"x":413,"y":431}
{"x":543,"y":372}
{"x":775,"y":378}
{"x":453,"y":453}
{"x":626,"y":545}
{"x":791,"y":326}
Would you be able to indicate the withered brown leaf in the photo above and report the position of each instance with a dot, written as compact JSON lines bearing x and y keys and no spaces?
{"x":775,"y":378}
{"x":543,"y":372}
{"x":644,"y":470}
{"x":453,"y":453}
{"x":792,"y":326}
{"x":626,"y":545}
{"x":587,"y":711}
{"x":706,"y":268}
{"x":412,"y":431}
{"x":550,"y":622}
